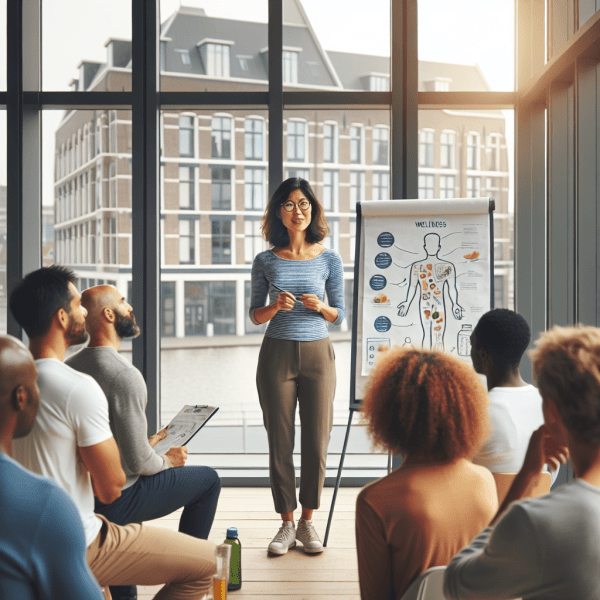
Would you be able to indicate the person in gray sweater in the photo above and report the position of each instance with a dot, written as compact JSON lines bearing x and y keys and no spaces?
{"x":547,"y":547}
{"x":156,"y":485}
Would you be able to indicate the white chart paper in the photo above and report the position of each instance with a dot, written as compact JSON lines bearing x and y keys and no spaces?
{"x":426,"y":281}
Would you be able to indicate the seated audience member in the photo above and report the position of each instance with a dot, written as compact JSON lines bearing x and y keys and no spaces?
{"x":36,"y":515}
{"x":547,"y":547}
{"x":154,"y":487}
{"x":72,"y":443}
{"x":497,"y":344}
{"x":429,"y":408}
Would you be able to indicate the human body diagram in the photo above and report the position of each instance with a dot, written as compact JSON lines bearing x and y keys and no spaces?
{"x":433,"y":279}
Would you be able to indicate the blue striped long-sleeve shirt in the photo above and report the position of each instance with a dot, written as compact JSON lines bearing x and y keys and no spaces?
{"x":315,"y":276}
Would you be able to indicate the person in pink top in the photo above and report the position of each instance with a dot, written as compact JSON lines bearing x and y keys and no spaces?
{"x":431,"y":409}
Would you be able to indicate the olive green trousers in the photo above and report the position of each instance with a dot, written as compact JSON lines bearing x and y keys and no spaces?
{"x":289,"y":373}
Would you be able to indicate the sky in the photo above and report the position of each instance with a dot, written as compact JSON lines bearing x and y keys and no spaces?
{"x":461,"y":31}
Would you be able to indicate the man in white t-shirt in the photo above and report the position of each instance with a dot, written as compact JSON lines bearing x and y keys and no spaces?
{"x":548,"y":547}
{"x":497,"y":345}
{"x":72,"y":443}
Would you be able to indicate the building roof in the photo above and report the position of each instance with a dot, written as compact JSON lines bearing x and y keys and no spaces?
{"x":183,"y":32}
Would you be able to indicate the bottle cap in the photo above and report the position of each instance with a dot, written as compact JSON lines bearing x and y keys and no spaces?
{"x":232,"y":532}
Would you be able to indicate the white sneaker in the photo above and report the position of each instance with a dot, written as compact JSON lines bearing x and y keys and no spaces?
{"x":284,"y":540}
{"x":308,"y":536}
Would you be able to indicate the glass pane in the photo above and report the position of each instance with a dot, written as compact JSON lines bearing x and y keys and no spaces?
{"x":214,"y":45}
{"x":466,"y":45}
{"x":2,"y":46}
{"x":86,"y":196}
{"x":346,"y":160}
{"x":214,"y":193}
{"x":472,"y":155}
{"x":337,"y":44}
{"x":86,"y":45}
{"x":3,"y":222}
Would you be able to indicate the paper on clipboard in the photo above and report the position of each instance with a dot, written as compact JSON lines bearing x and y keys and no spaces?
{"x":184,"y":426}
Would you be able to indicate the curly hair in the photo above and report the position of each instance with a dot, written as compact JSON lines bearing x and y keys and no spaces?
{"x":566,"y":364}
{"x":273,"y":229}
{"x":504,"y":334}
{"x":426,"y":405}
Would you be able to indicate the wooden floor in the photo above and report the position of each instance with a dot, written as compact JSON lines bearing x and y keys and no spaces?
{"x":295,"y":575}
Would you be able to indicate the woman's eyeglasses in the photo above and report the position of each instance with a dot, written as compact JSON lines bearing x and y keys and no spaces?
{"x":290,"y":206}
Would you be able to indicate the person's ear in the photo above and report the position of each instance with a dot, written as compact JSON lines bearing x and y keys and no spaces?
{"x":62,"y":318}
{"x":109,"y":314}
{"x":19,"y":398}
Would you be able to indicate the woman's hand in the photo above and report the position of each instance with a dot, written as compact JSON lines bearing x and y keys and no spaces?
{"x":312,"y":302}
{"x":285,"y":301}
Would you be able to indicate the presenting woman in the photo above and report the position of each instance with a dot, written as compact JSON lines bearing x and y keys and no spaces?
{"x":296,"y":362}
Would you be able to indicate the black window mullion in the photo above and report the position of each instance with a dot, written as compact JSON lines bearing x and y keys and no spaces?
{"x":275,"y":94}
{"x":14,"y":158}
{"x":144,"y":201}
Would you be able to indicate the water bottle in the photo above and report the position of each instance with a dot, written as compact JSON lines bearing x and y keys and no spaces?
{"x":235,"y":566}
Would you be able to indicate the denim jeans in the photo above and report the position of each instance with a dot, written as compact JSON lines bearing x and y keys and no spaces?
{"x":196,"y":489}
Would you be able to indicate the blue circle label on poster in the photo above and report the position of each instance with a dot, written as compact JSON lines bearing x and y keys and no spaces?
{"x":383,"y":260}
{"x":378,"y":282}
{"x":385,"y":240}
{"x":382,"y":324}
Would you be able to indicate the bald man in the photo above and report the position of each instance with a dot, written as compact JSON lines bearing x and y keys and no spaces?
{"x":36,"y":515}
{"x":156,"y":485}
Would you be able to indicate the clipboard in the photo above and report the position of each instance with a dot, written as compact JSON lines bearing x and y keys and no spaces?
{"x":185,"y":425}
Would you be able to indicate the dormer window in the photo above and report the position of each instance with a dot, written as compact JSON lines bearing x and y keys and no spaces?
{"x":439,"y":84}
{"x":290,"y":66}
{"x":379,"y":83}
{"x":215,"y":57}
{"x":184,"y":55}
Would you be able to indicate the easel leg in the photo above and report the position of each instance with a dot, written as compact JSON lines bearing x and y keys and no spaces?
{"x":339,"y":477}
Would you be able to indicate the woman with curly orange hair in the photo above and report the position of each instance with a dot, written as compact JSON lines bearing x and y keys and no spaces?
{"x":431,"y":409}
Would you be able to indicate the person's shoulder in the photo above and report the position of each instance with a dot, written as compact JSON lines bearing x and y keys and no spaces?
{"x":382,"y":489}
{"x":60,"y":373}
{"x":330,"y":254}
{"x":25,"y":487}
{"x":264,"y":256}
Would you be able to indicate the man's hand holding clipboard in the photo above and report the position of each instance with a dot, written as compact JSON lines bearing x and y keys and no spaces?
{"x":184,"y":426}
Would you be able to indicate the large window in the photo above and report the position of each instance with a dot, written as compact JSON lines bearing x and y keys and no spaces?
{"x":473,"y":151}
{"x":217,"y":164}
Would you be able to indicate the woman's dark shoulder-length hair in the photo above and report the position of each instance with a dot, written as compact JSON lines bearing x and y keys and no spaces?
{"x":275,"y":232}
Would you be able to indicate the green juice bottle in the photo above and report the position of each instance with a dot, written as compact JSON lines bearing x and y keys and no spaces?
{"x":235,"y":566}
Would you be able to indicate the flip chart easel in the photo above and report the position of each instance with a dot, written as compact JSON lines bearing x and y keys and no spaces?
{"x":429,"y":214}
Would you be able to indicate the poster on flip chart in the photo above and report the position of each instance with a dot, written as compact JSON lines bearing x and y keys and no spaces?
{"x":426,"y":274}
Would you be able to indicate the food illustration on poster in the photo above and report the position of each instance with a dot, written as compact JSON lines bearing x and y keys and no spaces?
{"x":426,"y":282}
{"x":433,"y":279}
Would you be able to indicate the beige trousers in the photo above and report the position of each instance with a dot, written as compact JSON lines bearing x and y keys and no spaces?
{"x":291,"y":372}
{"x":138,"y":554}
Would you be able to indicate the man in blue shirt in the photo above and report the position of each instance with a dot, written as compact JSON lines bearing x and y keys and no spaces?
{"x":42,"y":543}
